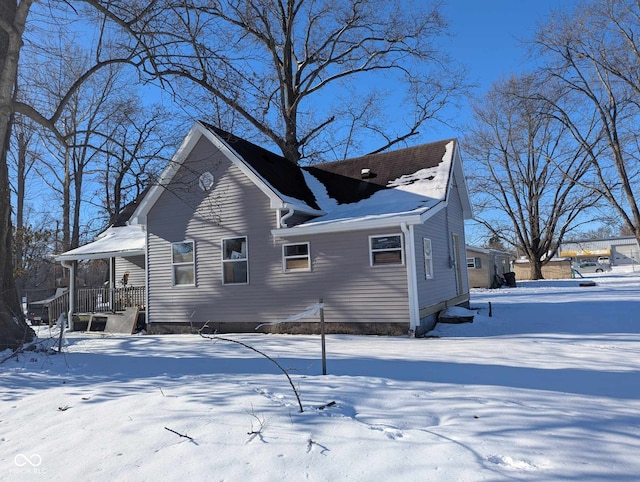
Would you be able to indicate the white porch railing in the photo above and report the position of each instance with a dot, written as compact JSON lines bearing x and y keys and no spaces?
{"x":97,"y":300}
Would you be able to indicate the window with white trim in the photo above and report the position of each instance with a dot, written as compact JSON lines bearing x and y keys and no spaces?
{"x":386,"y":250}
{"x":295,"y":257}
{"x":183,"y":263}
{"x":474,"y":263}
{"x":235,"y":264}
{"x":428,"y":258}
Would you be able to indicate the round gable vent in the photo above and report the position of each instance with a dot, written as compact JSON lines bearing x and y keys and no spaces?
{"x":206,"y":181}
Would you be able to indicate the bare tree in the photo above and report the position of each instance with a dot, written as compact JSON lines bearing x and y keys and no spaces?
{"x":22,"y":157}
{"x":134,"y":152}
{"x":83,"y":125}
{"x":13,"y":16}
{"x":13,"y":19}
{"x":521,"y":195}
{"x":593,"y":55}
{"x":283,"y":64}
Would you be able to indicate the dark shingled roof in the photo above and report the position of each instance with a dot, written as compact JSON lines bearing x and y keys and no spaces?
{"x":343,"y":179}
{"x":284,"y":176}
{"x":126,"y":212}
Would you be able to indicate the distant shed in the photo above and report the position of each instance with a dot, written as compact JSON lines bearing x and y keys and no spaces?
{"x":557,"y":268}
{"x":484,"y":264}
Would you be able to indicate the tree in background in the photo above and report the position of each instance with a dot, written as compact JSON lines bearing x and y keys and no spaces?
{"x":520,"y":194}
{"x":48,"y":115}
{"x":299,"y":72}
{"x":592,"y":55}
{"x":14,"y":331}
{"x":135,"y":149}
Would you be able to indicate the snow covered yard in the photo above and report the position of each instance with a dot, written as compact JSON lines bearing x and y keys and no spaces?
{"x":548,"y":388}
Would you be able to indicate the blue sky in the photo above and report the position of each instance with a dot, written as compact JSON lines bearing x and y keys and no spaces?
{"x":487,"y":38}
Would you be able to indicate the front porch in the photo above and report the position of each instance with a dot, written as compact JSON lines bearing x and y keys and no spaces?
{"x":123,"y":295}
{"x":93,"y":308}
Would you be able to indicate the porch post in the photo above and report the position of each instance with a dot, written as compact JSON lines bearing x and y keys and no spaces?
{"x":71,"y":266}
{"x":112,"y":286}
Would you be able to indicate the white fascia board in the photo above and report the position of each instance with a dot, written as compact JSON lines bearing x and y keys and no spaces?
{"x":139,"y":216}
{"x":457,"y":171}
{"x":344,"y":226}
{"x":105,"y":255}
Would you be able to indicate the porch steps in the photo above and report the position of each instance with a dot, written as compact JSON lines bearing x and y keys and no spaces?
{"x":121,"y":323}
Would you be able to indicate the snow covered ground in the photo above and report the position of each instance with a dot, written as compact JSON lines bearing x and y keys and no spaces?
{"x":548,"y":388}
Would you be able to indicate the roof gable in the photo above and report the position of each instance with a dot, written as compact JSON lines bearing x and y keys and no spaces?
{"x":411,"y":183}
{"x":282,"y":175}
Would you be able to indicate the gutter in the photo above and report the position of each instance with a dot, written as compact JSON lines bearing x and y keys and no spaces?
{"x":342,"y":225}
{"x":283,"y":219}
{"x":412,"y":282}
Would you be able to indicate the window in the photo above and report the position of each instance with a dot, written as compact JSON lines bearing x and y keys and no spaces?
{"x":474,"y":263}
{"x":386,"y":249}
{"x":235,"y":267}
{"x":295,"y":257}
{"x":182,"y":260}
{"x":428,"y":258}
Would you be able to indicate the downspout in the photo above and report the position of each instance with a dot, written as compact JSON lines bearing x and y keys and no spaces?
{"x":146,"y":279}
{"x":412,"y":281}
{"x":112,"y":284}
{"x":71,"y":266}
{"x":283,"y":219}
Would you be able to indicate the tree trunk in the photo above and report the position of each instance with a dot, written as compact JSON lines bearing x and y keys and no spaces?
{"x":536,"y":269}
{"x":66,"y":203}
{"x":20,"y":193}
{"x":14,"y":330}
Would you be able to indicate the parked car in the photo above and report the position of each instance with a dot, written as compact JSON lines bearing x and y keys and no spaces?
{"x":592,"y":267}
{"x":604,"y":260}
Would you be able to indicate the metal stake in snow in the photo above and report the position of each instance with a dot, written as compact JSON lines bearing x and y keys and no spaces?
{"x":324,"y":351}
{"x":310,"y":312}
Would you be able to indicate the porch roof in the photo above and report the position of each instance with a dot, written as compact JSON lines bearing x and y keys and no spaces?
{"x":116,"y":241}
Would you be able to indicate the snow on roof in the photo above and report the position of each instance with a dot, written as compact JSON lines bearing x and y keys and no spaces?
{"x":115,"y":241}
{"x":411,"y":194}
{"x":487,"y":250}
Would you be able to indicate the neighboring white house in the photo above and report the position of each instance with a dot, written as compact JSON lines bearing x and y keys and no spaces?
{"x":237,"y":236}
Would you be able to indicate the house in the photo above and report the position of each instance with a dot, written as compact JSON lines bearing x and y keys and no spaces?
{"x":486,"y":267}
{"x":237,"y":236}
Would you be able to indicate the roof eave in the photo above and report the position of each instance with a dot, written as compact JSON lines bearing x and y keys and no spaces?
{"x":346,"y":225}
{"x":100,"y":255}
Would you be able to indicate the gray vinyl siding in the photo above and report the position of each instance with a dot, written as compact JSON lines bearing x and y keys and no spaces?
{"x":439,"y":228}
{"x":134,"y":265}
{"x":352,"y":290}
{"x":341,"y":274}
